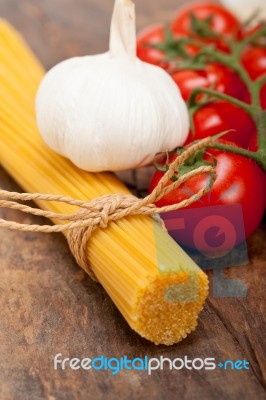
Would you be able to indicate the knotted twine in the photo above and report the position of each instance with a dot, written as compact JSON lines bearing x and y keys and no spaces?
{"x":99,"y":212}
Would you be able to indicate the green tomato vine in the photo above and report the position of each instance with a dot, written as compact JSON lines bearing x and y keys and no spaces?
{"x":176,"y":50}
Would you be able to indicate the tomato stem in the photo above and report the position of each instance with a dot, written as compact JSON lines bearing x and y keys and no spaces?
{"x":233,"y":61}
{"x":259,"y":156}
{"x":175,"y":49}
{"x":250,"y":109}
{"x":261,"y":125}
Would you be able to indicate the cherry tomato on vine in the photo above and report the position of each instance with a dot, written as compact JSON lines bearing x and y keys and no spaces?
{"x":253,"y":146}
{"x":263,"y":96}
{"x":253,"y":142}
{"x":239,"y":181}
{"x":215,"y":76}
{"x":153,"y":34}
{"x":189,"y":79}
{"x":227,"y":81}
{"x":220,"y":116}
{"x":254,"y":61}
{"x":222,"y":21}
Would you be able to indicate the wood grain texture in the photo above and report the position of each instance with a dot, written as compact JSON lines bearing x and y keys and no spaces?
{"x":49,"y":306}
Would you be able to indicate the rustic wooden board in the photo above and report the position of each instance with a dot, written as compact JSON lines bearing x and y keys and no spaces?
{"x":49,"y":306}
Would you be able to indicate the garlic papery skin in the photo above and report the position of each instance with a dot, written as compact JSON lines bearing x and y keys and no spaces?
{"x":111,"y":111}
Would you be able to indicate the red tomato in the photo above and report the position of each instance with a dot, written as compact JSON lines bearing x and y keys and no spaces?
{"x":223,"y":22}
{"x":153,"y":34}
{"x":254,"y":60}
{"x":239,"y":181}
{"x":187,"y":80}
{"x":227,"y":81}
{"x":221,"y":116}
{"x":253,"y":146}
{"x":214,"y":76}
{"x":253,"y":142}
{"x":263,"y":97}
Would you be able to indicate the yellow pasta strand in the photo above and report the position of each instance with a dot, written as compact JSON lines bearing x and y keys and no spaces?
{"x":158,"y":289}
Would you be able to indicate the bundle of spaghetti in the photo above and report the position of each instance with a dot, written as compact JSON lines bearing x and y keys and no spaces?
{"x":156,"y":286}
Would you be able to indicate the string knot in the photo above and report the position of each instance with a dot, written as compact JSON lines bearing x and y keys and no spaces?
{"x":98,"y":213}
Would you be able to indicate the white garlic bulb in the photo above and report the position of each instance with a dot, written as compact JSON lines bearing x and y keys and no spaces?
{"x":111,"y":111}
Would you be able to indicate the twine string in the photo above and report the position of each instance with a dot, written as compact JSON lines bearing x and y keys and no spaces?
{"x":100,"y":211}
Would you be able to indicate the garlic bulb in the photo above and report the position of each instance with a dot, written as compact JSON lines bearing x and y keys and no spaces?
{"x":111,"y":111}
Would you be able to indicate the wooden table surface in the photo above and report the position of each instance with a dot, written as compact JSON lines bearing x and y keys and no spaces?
{"x":49,"y":306}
